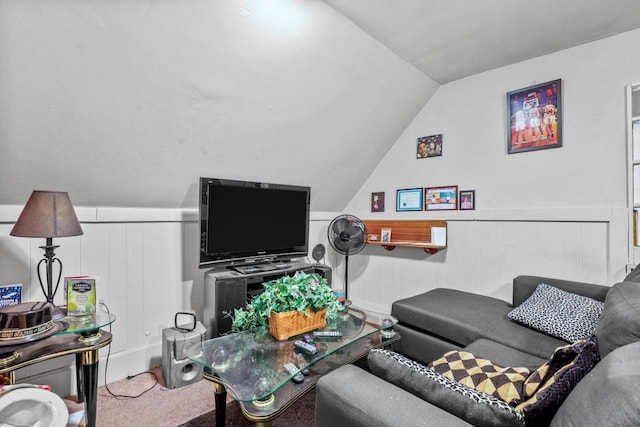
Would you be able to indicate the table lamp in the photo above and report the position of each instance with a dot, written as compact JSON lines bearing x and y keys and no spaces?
{"x":48,"y":214}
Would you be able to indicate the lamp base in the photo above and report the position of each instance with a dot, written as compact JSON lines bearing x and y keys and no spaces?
{"x":57,"y":312}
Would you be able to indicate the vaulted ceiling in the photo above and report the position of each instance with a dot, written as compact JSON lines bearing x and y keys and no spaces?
{"x":452,"y":39}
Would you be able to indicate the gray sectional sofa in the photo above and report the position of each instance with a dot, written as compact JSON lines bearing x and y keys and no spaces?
{"x":399,"y":389}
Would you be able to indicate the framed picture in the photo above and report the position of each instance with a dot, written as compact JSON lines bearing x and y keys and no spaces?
{"x":377,"y":202}
{"x":441,"y":198}
{"x":429,"y":146}
{"x":409,"y":199}
{"x":386,"y":235}
{"x":467,"y":200}
{"x":535,"y":117}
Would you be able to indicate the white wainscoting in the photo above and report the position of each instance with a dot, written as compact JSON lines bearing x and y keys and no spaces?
{"x":147,"y":270}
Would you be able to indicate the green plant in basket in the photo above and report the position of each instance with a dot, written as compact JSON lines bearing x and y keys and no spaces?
{"x":299,"y":292}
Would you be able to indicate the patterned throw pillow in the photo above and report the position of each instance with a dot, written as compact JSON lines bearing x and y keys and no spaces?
{"x":561,"y":314}
{"x":482,"y":375}
{"x":548,"y":386}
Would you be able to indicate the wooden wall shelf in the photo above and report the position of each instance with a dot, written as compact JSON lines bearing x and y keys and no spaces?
{"x":406,"y":233}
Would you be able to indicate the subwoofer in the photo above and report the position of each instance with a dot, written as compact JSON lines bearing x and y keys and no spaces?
{"x":177,"y":369}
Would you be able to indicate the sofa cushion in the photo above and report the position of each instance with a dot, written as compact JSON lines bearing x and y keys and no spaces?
{"x":620,"y":321}
{"x":608,"y":395}
{"x":477,"y":408}
{"x":562,"y":314}
{"x":548,"y":386}
{"x":462,"y":317}
{"x":505,"y":383}
{"x":352,"y":397}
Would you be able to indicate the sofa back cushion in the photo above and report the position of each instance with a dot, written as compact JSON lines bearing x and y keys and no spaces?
{"x":619,"y":323}
{"x":633,"y":276}
{"x":608,"y":395}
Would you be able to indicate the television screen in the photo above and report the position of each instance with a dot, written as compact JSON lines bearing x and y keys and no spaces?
{"x":242,"y":220}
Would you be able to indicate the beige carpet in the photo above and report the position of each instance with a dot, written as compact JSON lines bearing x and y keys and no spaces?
{"x":159,"y":406}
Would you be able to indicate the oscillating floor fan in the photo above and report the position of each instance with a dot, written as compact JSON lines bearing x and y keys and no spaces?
{"x":347,"y":235}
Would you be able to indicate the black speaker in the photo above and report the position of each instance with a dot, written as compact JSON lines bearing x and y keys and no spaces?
{"x":323,"y":270}
{"x":318,"y":252}
{"x":177,"y":369}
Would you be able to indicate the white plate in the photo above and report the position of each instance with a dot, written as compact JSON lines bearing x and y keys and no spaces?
{"x":32,"y":407}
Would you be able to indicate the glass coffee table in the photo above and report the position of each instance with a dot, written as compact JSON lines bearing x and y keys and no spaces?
{"x":252,"y":366}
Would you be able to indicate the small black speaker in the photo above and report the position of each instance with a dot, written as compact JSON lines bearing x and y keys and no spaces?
{"x":318,"y":252}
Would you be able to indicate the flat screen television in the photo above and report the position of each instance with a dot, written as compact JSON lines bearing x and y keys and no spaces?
{"x":242,"y":221}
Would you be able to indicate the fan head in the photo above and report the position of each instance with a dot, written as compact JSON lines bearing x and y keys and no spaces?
{"x":347,"y":234}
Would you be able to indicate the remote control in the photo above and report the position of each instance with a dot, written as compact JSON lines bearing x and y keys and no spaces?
{"x":293,"y":370}
{"x":328,"y":334}
{"x":306,"y":347}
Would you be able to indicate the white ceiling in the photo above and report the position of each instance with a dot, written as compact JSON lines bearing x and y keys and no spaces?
{"x":453,"y":39}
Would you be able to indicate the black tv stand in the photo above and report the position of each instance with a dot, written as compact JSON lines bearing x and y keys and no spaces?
{"x":231,"y":287}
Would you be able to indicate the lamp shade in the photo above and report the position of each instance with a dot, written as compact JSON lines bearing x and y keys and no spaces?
{"x":47,"y":214}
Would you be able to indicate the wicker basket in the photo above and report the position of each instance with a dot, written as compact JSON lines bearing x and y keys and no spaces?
{"x":285,"y":325}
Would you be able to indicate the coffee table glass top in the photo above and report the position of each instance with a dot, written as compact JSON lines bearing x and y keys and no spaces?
{"x":252,"y":364}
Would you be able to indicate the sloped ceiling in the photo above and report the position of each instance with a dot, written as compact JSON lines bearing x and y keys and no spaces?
{"x":449,"y":40}
{"x":127,"y":103}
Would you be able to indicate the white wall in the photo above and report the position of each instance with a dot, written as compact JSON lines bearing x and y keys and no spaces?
{"x":559,"y":212}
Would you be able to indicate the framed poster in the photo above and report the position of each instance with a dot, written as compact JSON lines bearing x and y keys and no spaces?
{"x":409,"y":200}
{"x":534,"y":117}
{"x":467,"y":200}
{"x":377,"y":202}
{"x":441,"y":198}
{"x":429,"y":146}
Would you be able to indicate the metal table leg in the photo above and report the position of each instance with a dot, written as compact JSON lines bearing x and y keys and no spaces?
{"x":89,"y":375}
{"x":221,"y":403}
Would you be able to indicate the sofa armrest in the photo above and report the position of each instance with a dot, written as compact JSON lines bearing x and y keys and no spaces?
{"x":523,"y":287}
{"x":353,"y":397}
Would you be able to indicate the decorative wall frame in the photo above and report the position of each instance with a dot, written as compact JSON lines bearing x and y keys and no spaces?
{"x":409,"y":199}
{"x":377,"y":202}
{"x":467,"y":200}
{"x":429,"y":146}
{"x":534,"y":119}
{"x":441,"y":198}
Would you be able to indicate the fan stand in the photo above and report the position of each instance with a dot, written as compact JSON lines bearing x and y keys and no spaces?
{"x":346,"y":276}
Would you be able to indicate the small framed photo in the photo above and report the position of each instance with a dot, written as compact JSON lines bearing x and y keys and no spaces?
{"x":534,"y":119}
{"x":377,"y":202}
{"x":467,"y":200}
{"x":386,"y":235}
{"x":441,"y":198}
{"x":409,"y":199}
{"x":429,"y":146}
